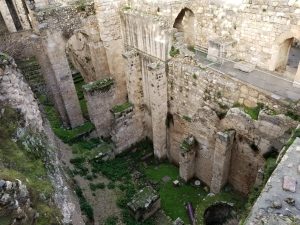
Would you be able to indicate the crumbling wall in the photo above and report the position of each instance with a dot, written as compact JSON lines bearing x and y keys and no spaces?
{"x":100,"y":96}
{"x":14,"y":90}
{"x":198,"y":101}
{"x":127,"y":129}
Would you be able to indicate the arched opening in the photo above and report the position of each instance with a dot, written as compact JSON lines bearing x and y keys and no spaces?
{"x":185,"y":23}
{"x":288,"y":57}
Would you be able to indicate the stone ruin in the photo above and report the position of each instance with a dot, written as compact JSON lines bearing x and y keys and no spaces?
{"x":173,"y":69}
{"x":15,"y":200}
{"x":144,"y":203}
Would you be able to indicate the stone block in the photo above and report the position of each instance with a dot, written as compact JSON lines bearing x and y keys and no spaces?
{"x":289,"y":184}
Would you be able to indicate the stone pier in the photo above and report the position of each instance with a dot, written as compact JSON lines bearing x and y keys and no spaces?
{"x":22,"y":14}
{"x":221,"y":162}
{"x":9,"y":22}
{"x":187,"y":159}
{"x":159,"y":107}
{"x":100,"y":97}
{"x":62,"y":82}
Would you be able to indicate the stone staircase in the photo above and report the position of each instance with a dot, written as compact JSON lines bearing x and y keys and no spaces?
{"x":31,"y":71}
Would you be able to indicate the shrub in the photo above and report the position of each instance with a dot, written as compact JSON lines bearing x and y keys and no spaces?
{"x":173,"y":52}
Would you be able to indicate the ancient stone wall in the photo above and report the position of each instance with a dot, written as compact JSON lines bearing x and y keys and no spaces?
{"x":100,"y":102}
{"x":199,"y":99}
{"x":257,"y":28}
{"x":127,"y":129}
{"x":107,"y":13}
{"x":15,"y":91}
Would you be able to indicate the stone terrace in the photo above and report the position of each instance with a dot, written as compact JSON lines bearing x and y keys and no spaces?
{"x":265,"y":80}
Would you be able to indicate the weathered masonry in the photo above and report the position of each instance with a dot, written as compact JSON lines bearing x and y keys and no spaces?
{"x":178,"y":72}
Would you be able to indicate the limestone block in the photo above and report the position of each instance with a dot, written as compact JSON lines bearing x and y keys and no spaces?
{"x":289,"y":184}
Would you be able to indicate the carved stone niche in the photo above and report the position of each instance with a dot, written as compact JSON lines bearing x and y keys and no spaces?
{"x":218,"y":49}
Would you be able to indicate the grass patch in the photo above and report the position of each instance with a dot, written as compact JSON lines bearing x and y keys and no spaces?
{"x":121,"y":108}
{"x":253,"y":112}
{"x":100,"y":85}
{"x":173,"y":199}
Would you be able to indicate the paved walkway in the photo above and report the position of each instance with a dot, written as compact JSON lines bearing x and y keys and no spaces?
{"x":265,"y":80}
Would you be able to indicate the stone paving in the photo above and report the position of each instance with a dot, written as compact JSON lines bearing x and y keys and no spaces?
{"x":279,"y":202}
{"x":266,"y":80}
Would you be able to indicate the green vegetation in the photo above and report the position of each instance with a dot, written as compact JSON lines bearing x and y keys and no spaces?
{"x":195,"y":76}
{"x":173,"y":199}
{"x":127,"y":8}
{"x":174,"y":52}
{"x":192,"y":48}
{"x":187,"y":118}
{"x":100,"y":85}
{"x":252,"y":112}
{"x":121,"y":108}
{"x":67,"y":136}
{"x":81,"y":5}
{"x":79,"y":82}
{"x":85,"y":207}
{"x":293,"y":115}
{"x":295,"y":134}
{"x":112,"y":220}
{"x":119,"y":171}
{"x":187,"y":144}
{"x":97,"y":186}
{"x":111,"y":185}
{"x":24,"y":159}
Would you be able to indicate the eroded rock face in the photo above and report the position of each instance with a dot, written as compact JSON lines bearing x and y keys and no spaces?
{"x":15,"y":202}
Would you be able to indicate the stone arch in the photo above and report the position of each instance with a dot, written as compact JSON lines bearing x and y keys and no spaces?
{"x":281,"y":52}
{"x":88,"y":56}
{"x":185,"y":23}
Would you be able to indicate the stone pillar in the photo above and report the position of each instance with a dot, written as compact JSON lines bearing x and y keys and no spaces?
{"x":7,"y":17}
{"x":187,"y":159}
{"x":100,"y":98}
{"x":54,"y":45}
{"x":107,"y":13}
{"x":22,"y":14}
{"x":99,"y":60}
{"x":222,"y":157}
{"x":159,"y":107}
{"x":133,"y":73}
